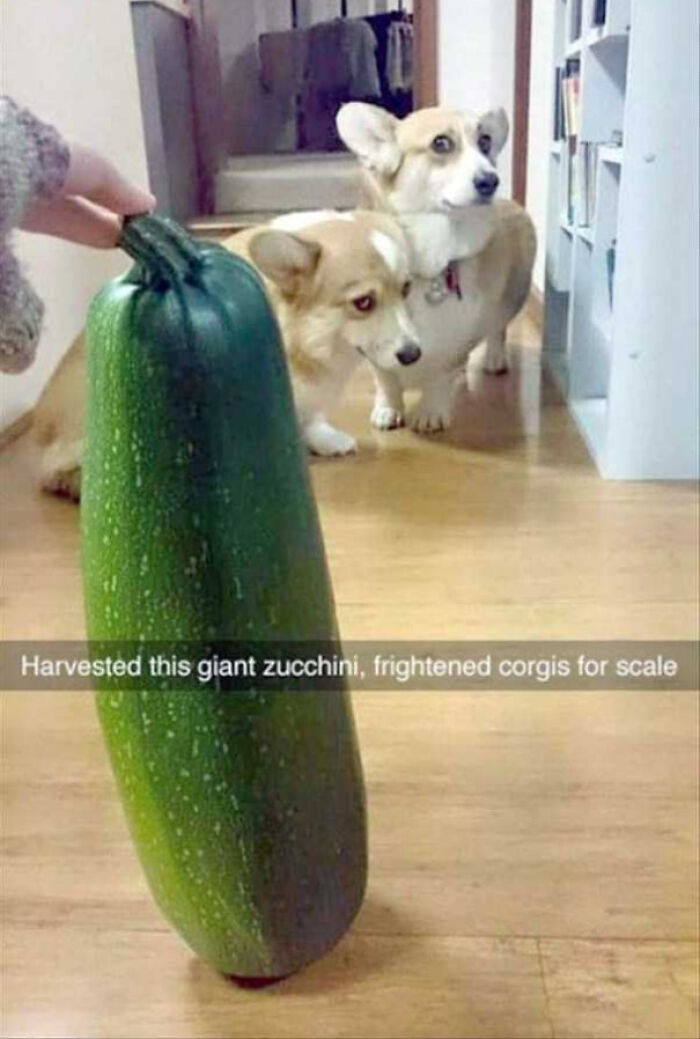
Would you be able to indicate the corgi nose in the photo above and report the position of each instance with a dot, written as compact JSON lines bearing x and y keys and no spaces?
{"x":486,"y":183}
{"x":409,"y":353}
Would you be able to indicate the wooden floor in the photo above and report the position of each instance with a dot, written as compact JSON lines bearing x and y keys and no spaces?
{"x":533,"y":856}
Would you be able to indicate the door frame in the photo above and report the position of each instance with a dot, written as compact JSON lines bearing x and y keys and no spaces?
{"x":521,"y":98}
{"x":426,"y":54}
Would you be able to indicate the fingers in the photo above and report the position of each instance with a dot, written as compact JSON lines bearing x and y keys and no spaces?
{"x":96,"y":179}
{"x":93,"y":197}
{"x":75,"y":220}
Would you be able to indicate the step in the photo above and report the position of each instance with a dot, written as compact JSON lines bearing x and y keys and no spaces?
{"x":218,"y":228}
{"x":274,"y":183}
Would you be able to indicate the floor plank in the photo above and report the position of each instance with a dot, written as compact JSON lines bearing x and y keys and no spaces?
{"x":648,"y":989}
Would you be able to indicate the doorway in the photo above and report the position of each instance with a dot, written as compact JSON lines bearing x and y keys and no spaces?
{"x":225,"y":140}
{"x":286,"y":68}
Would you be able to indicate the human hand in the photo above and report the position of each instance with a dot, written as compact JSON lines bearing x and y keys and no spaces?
{"x":89,"y":205}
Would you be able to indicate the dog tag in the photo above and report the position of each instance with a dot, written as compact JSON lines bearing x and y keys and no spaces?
{"x":437,"y":291}
{"x":447,"y":284}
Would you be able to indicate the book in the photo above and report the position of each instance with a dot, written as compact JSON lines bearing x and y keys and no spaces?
{"x":576,"y":19}
{"x":592,"y":183}
{"x":611,"y":256}
{"x":582,"y":215}
{"x":574,"y":89}
{"x":587,"y":184}
{"x":559,"y":129}
{"x":571,"y":95}
{"x":572,"y":163}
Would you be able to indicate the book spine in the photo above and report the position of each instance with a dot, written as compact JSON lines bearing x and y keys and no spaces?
{"x":599,"y":12}
{"x":558,"y":113}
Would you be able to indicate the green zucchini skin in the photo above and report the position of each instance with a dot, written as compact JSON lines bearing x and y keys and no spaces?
{"x":199,"y":524}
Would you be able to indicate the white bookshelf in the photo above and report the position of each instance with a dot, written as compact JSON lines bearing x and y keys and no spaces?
{"x":630,"y":368}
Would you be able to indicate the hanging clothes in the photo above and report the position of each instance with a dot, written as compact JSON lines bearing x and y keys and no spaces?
{"x":360,"y":48}
{"x":342,"y":66}
{"x":284,"y":58}
{"x":396,"y":100}
{"x":399,"y":60}
{"x":328,"y":64}
{"x":342,"y":59}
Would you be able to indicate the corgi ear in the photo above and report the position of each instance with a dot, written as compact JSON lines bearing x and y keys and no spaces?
{"x":284,"y":258}
{"x":495,"y":124}
{"x":370,"y":133}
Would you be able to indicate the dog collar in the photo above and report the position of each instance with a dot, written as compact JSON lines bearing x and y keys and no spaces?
{"x":445,"y":285}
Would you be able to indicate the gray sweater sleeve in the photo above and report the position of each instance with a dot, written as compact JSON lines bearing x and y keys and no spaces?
{"x":33,"y":166}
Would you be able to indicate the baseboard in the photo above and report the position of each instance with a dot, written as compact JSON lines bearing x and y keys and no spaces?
{"x":16,"y":428}
{"x":214,"y":228}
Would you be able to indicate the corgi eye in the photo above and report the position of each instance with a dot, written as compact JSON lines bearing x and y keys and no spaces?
{"x":365,"y":304}
{"x":484,"y":143}
{"x":442,"y":144}
{"x":406,"y":289}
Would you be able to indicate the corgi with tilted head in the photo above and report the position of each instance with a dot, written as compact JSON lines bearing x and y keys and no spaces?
{"x":471,"y":256}
{"x":338,"y":283}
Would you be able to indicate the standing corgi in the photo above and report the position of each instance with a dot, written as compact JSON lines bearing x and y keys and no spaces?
{"x":339,"y":283}
{"x":472,"y":257}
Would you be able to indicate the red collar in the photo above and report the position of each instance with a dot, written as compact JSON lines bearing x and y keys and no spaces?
{"x":452,"y":279}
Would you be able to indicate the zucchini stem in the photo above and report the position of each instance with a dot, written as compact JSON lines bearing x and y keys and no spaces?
{"x":161,"y":247}
{"x":182,"y":241}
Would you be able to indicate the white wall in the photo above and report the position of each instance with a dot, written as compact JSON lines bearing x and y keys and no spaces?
{"x":476,"y":61}
{"x":73,"y":64}
{"x":503,"y":77}
{"x":464,"y":53}
{"x":477,"y":71}
{"x":541,"y":126}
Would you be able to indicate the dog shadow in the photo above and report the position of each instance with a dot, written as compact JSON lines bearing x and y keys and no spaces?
{"x":497,"y":414}
{"x":497,"y":425}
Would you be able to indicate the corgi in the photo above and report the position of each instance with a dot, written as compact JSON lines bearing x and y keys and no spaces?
{"x":471,"y":256}
{"x":58,"y":424}
{"x":338,"y":283}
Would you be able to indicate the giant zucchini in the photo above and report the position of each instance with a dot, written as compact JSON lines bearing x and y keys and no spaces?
{"x":247,"y":809}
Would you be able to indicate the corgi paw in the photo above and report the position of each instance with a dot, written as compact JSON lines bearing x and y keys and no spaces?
{"x":386,"y":417}
{"x":496,"y":358}
{"x":496,"y":366}
{"x":327,"y":442}
{"x":430,"y":420}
